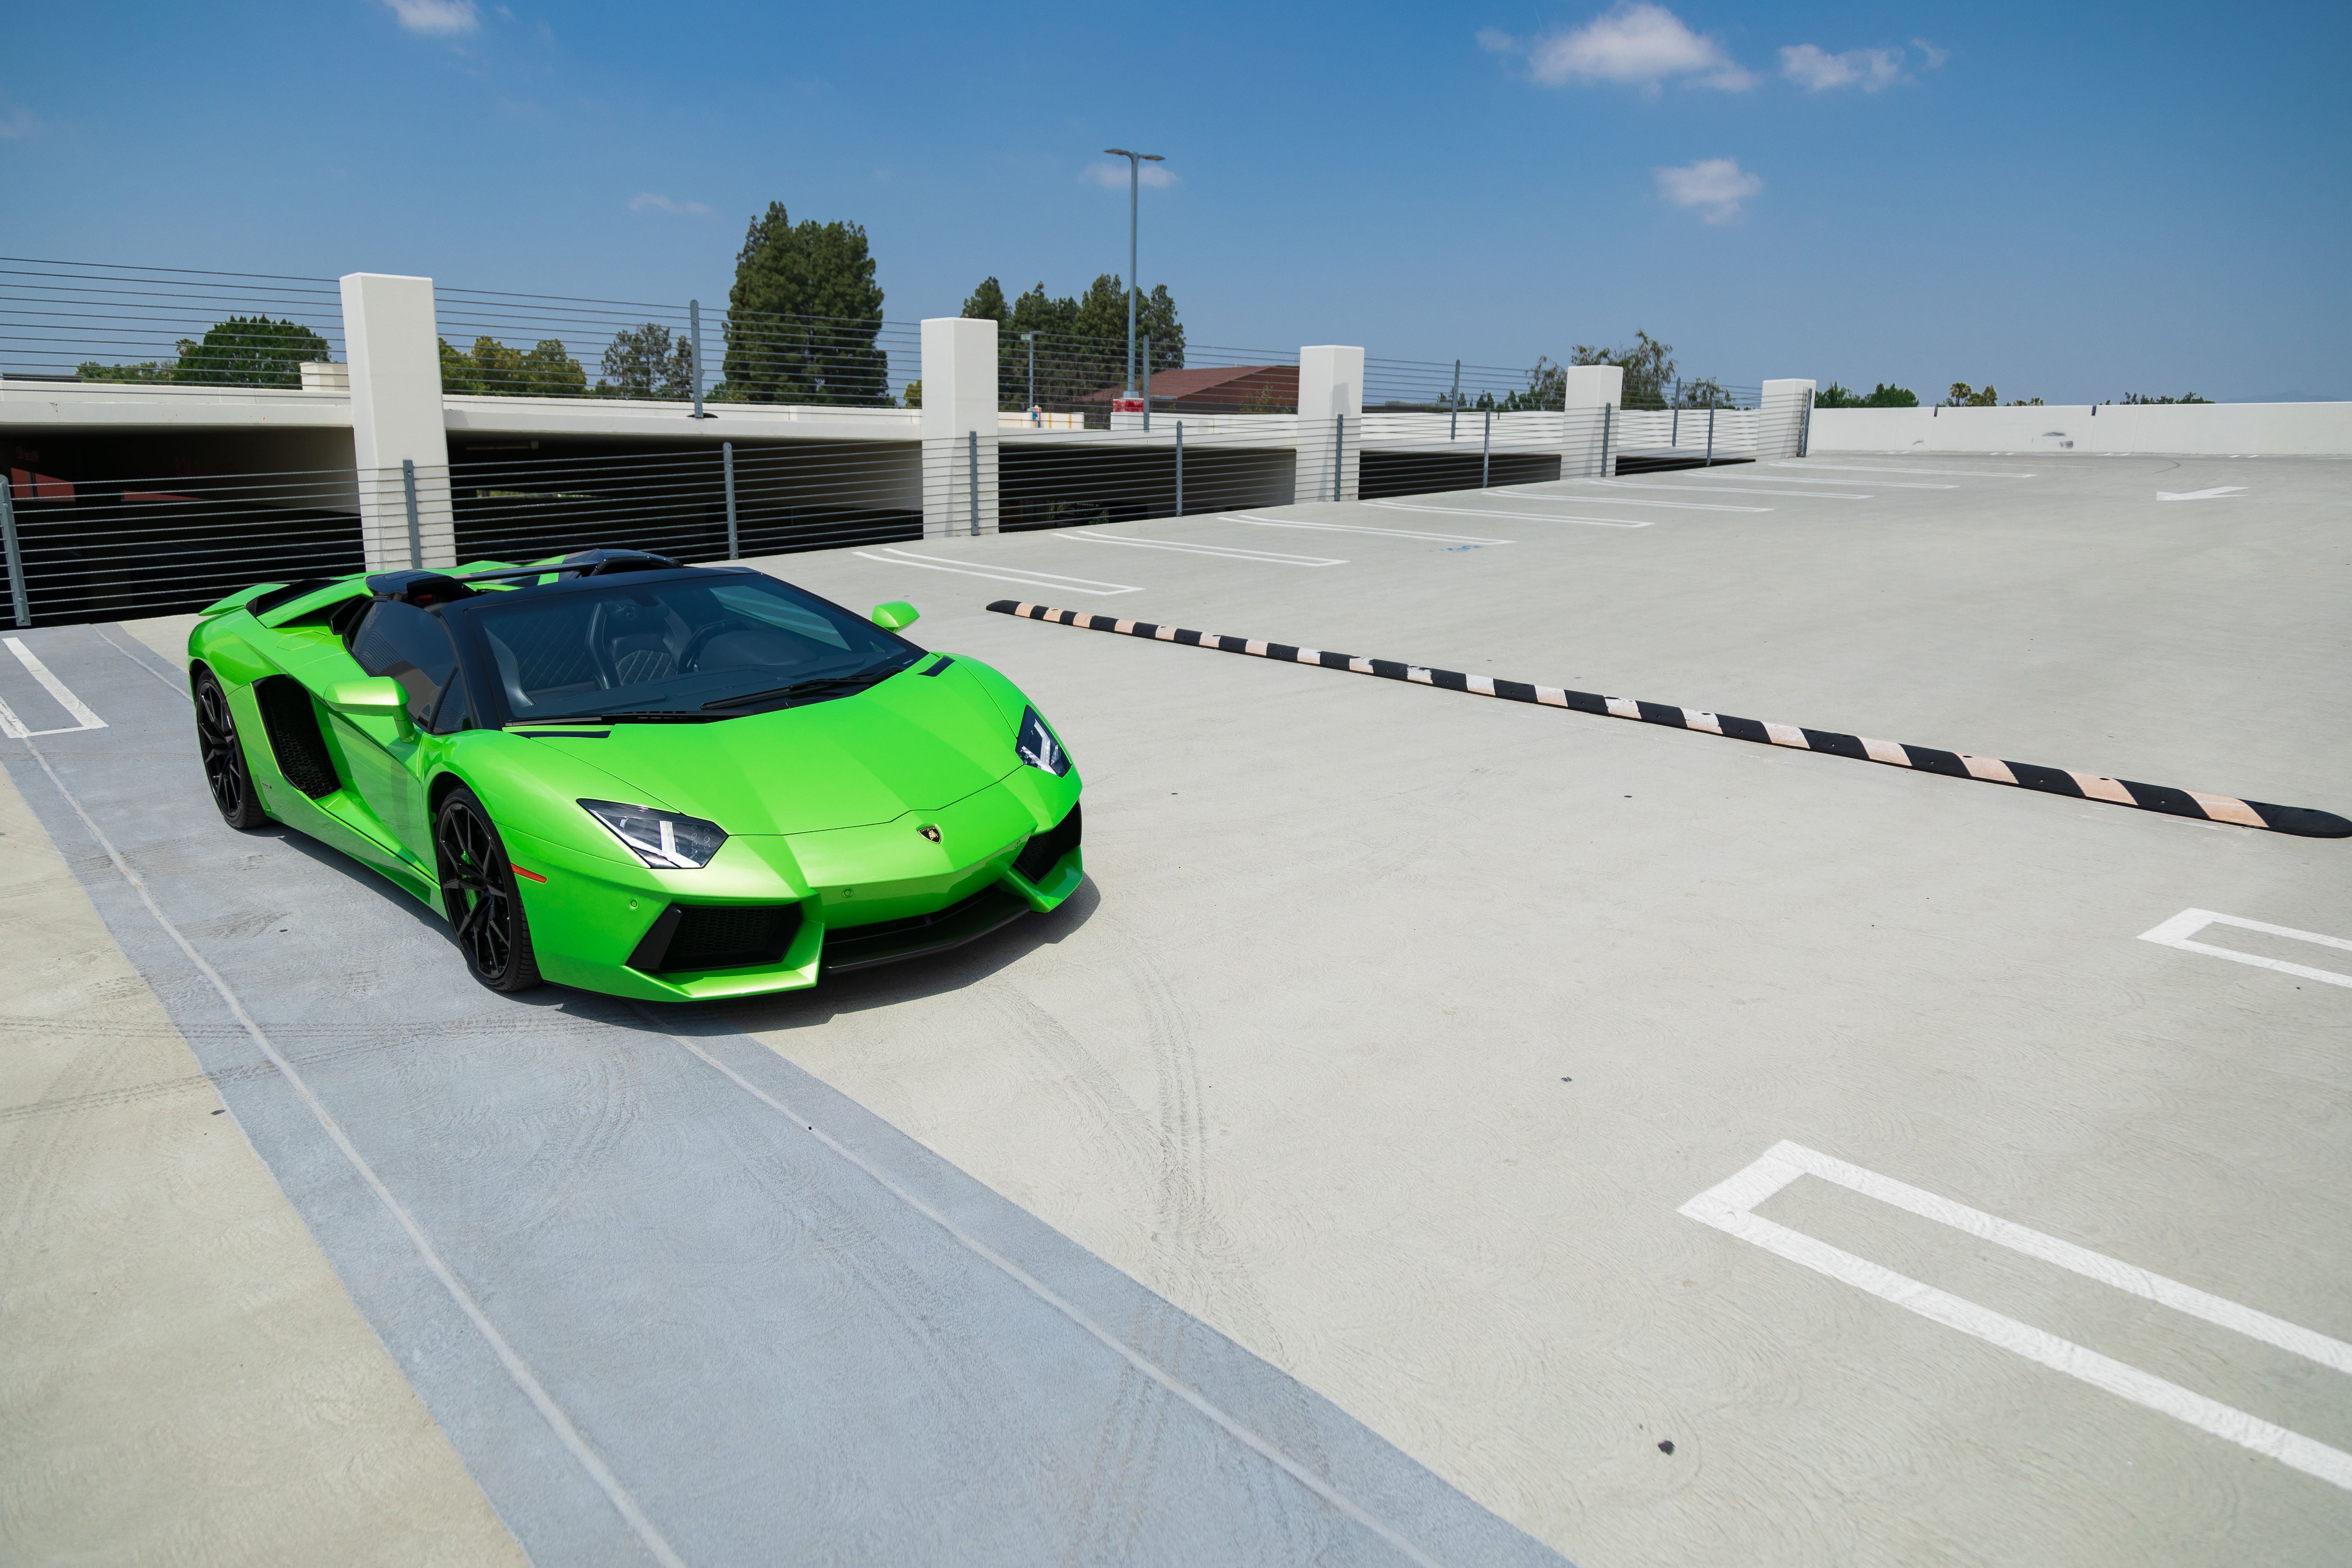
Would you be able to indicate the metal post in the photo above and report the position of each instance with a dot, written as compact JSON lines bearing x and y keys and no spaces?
{"x":727,"y":465}
{"x":1180,"y":467}
{"x":1146,"y":383}
{"x":1338,"y":450}
{"x":415,"y":537}
{"x":1031,"y":406}
{"x":1607,"y":409}
{"x":974,"y":483}
{"x":694,"y":329}
{"x":1454,"y":403}
{"x":1487,"y":453}
{"x":17,"y":601}
{"x":1710,"y":434}
{"x":1675,"y":435}
{"x":1134,"y":284}
{"x":1805,"y":425}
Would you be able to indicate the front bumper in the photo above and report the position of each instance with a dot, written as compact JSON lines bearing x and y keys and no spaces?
{"x":858,"y":895}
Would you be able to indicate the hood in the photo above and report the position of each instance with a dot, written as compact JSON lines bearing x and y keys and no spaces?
{"x":915,"y":742}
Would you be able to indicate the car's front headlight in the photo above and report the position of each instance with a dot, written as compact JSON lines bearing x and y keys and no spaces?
{"x":1037,"y":746}
{"x":662,"y":839}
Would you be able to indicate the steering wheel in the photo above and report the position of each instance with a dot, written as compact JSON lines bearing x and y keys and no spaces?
{"x":690,"y":657}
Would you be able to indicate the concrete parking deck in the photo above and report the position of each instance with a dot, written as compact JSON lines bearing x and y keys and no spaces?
{"x":1313,"y":1186}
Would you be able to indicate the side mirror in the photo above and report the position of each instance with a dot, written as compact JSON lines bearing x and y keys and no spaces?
{"x":895,"y":616}
{"x":378,"y":695}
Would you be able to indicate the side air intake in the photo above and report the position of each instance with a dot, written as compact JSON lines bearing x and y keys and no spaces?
{"x":292,"y":721}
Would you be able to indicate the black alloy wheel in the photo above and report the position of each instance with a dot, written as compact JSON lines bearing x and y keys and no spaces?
{"x":478,"y":891}
{"x":226,"y":773}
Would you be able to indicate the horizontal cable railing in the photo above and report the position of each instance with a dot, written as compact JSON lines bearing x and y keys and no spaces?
{"x":164,"y":327}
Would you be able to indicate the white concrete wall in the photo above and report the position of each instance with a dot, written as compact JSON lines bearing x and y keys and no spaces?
{"x":391,"y":335}
{"x":959,"y":399}
{"x":1330,"y":390}
{"x":2221,"y":429}
{"x":1589,"y":439}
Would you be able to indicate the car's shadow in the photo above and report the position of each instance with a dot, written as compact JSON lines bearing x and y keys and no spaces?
{"x":884,"y":985}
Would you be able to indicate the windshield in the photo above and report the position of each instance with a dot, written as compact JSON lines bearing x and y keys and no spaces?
{"x":705,"y":648}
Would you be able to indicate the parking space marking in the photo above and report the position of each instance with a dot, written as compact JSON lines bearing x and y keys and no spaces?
{"x":17,"y":729}
{"x":1729,"y":1206}
{"x":1020,"y":574}
{"x":1611,"y":501}
{"x":1882,"y":484}
{"x":1523,"y":516}
{"x":1724,"y":489}
{"x":1358,"y":528}
{"x":1943,"y":473}
{"x":2175,"y":932}
{"x":1232,"y":552}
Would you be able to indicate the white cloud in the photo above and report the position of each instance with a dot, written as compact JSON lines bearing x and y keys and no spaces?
{"x":1716,"y":186}
{"x":436,"y":17}
{"x":1633,"y":43}
{"x":648,"y":201}
{"x":1113,"y":176}
{"x":1930,"y":53}
{"x":19,"y":123}
{"x":1817,"y":70}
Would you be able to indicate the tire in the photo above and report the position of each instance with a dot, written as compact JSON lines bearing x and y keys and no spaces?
{"x":226,"y":773}
{"x":478,"y":893}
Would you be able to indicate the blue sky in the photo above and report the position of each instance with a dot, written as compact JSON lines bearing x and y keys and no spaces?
{"x":2069,"y":202}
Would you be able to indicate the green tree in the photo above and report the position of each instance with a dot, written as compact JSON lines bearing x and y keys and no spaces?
{"x":987,"y":302}
{"x":250,"y":350}
{"x":493,"y":369}
{"x":244,"y":350}
{"x":647,"y":362}
{"x":1648,"y":364}
{"x":2142,"y":397}
{"x":1880,"y":396}
{"x":804,"y":313}
{"x":1963,"y":395}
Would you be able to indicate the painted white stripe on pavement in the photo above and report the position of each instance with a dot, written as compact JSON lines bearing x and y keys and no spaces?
{"x":1230,"y":552}
{"x":1882,"y":484}
{"x":1516,"y":516}
{"x":1026,"y":578}
{"x":1723,"y":490}
{"x":11,"y":725}
{"x":1942,"y":473}
{"x":1729,"y":1206}
{"x":1358,"y":528}
{"x":1613,"y":501}
{"x":2175,"y":932}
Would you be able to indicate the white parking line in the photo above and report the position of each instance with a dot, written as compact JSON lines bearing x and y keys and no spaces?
{"x":1882,"y":484}
{"x":1723,"y":490}
{"x":1613,"y":501}
{"x":16,"y":727}
{"x":1021,"y":576}
{"x":1358,"y":528}
{"x":1523,"y":516}
{"x":1230,"y":552}
{"x":2175,"y":932}
{"x":1729,"y":1206}
{"x":1940,"y":473}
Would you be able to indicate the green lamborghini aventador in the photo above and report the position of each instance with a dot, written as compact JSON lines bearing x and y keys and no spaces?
{"x":641,"y":778}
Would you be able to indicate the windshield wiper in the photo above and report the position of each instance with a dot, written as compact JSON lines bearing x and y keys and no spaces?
{"x":648,"y":715}
{"x":802,"y":688}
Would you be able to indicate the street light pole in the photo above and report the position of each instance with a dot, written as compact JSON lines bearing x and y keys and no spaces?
{"x":1135,"y":162}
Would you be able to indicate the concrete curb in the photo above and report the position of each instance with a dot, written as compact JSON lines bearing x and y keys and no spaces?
{"x":2301,"y":821}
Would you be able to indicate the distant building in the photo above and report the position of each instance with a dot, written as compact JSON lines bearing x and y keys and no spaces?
{"x":1224,"y":389}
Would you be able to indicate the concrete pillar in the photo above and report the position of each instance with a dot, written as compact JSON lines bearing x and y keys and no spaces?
{"x":1330,"y":390}
{"x":1781,"y":420}
{"x":393,"y":342}
{"x":959,"y":401}
{"x":1589,"y":389}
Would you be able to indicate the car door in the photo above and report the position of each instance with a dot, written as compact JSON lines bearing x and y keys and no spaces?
{"x":413,"y":648}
